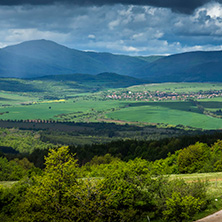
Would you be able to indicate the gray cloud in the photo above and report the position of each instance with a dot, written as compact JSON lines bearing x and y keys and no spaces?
{"x":117,"y":28}
{"x":181,"y":6}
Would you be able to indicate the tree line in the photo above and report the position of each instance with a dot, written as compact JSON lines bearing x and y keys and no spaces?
{"x":150,"y":150}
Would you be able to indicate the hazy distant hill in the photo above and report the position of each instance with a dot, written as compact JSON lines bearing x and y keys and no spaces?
{"x":191,"y":66}
{"x":105,"y":80}
{"x":42,"y":57}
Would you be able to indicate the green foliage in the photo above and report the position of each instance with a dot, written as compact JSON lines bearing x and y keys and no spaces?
{"x":22,"y":141}
{"x":217,"y":155}
{"x":173,"y":196}
{"x":51,"y":192}
{"x":58,"y":194}
{"x":124,"y":184}
{"x":14,"y":169}
{"x":10,"y":197}
{"x":168,"y":165}
{"x":123,"y":149}
{"x":194,"y":158}
{"x":122,"y":191}
{"x":180,"y":208}
{"x":106,"y":159}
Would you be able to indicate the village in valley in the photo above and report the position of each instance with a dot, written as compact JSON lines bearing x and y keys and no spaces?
{"x":161,"y":95}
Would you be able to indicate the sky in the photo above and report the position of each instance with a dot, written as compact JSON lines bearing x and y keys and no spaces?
{"x":131,"y":27}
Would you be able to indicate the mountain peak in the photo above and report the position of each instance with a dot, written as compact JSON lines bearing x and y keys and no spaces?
{"x":42,"y":43}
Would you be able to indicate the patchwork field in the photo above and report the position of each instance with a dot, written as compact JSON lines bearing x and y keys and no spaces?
{"x":173,"y":113}
{"x":196,"y":105}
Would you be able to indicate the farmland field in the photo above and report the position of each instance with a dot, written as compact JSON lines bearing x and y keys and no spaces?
{"x":178,"y":87}
{"x":173,"y":113}
{"x":52,"y":109}
{"x":186,"y":104}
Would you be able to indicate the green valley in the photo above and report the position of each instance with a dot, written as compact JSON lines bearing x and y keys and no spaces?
{"x":53,"y":98}
{"x":110,"y":111}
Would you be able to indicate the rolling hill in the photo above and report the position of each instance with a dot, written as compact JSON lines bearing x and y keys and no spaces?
{"x":101,"y":81}
{"x":79,"y":82}
{"x":186,"y":67}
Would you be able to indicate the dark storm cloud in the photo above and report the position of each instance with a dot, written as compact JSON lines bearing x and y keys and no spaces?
{"x":182,"y":6}
{"x":134,"y":27}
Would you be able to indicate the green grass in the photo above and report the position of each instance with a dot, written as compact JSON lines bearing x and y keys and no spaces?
{"x":211,"y":177}
{"x":213,"y":104}
{"x":12,"y":98}
{"x":49,"y":109}
{"x":173,"y":113}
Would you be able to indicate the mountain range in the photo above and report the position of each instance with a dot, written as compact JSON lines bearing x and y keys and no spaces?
{"x":43,"y":57}
{"x":39,"y":58}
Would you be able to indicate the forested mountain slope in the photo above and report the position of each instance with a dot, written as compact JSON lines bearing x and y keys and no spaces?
{"x":42,"y":57}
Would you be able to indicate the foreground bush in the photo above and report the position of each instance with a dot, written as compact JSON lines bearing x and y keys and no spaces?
{"x":181,"y":208}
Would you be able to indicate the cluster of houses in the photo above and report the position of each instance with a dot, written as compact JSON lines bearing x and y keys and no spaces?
{"x":162,"y":96}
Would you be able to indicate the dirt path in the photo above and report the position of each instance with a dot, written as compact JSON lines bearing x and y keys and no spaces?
{"x":216,"y":217}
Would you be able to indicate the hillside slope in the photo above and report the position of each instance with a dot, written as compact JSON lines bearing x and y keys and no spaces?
{"x":186,"y":67}
{"x":43,"y":57}
{"x":78,"y":82}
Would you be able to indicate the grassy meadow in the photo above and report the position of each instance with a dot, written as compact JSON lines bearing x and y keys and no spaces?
{"x":73,"y":110}
{"x":172,"y":113}
{"x":213,"y":179}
